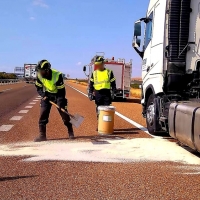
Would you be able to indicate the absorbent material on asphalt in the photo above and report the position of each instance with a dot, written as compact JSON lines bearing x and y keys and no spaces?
{"x":133,"y":150}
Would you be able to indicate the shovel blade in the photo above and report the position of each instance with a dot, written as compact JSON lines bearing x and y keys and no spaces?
{"x":76,"y":120}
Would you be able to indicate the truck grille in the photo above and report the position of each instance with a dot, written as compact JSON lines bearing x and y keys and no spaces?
{"x":178,"y":30}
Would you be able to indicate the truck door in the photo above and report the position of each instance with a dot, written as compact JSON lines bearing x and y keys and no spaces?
{"x":157,"y":49}
{"x":146,"y":63}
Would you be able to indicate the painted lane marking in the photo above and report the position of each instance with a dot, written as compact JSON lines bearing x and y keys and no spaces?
{"x":23,"y":111}
{"x":142,"y":128}
{"x":32,"y":103}
{"x":28,"y":106}
{"x":38,"y":98}
{"x":35,"y":100}
{"x":6,"y":127}
{"x":6,"y":90}
{"x":16,"y":118}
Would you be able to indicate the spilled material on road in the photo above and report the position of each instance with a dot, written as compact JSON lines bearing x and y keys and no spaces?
{"x":108,"y":150}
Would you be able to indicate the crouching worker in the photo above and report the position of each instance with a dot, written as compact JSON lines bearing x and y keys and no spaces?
{"x":54,"y":90}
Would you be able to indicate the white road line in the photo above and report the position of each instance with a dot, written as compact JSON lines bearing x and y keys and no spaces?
{"x":38,"y":98}
{"x":125,"y":118}
{"x":23,"y":111}
{"x":28,"y":106}
{"x":32,"y":103}
{"x":16,"y":118}
{"x":6,"y":127}
{"x":6,"y":90}
{"x":35,"y":100}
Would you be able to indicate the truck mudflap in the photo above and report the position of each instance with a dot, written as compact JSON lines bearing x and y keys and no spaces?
{"x":184,"y":123}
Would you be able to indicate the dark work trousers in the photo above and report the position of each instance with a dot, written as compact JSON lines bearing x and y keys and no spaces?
{"x":45,"y":111}
{"x":102,"y":98}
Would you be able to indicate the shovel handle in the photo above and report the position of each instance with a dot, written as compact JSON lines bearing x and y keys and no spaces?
{"x":63,"y":110}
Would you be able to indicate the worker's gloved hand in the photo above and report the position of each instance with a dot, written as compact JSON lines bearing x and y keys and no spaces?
{"x":62,"y":102}
{"x":45,"y":98}
{"x":90,"y":96}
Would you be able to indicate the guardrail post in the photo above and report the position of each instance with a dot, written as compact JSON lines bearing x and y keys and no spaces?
{"x":8,"y":81}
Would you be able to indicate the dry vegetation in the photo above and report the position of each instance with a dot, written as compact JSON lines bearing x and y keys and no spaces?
{"x":135,"y":93}
{"x":7,"y":76}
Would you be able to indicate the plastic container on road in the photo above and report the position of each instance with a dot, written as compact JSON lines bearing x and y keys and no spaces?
{"x":106,"y":120}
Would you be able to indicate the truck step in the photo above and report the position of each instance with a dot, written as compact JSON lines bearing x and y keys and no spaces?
{"x":163,"y":119}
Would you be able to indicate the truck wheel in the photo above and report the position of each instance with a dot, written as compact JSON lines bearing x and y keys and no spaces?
{"x":150,"y":112}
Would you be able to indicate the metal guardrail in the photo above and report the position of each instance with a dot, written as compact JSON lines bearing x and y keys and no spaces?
{"x":9,"y":81}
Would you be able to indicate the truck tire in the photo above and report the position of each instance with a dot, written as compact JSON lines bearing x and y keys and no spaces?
{"x":150,"y":112}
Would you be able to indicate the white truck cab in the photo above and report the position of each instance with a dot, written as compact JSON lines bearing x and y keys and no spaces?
{"x":170,"y":64}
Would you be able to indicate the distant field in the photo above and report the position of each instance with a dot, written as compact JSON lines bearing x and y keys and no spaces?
{"x":135,"y":91}
{"x":84,"y":81}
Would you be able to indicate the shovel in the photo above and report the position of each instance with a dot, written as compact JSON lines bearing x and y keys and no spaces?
{"x":75,"y":120}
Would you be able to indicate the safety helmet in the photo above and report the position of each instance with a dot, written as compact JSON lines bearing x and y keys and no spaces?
{"x":99,"y":60}
{"x":43,"y":65}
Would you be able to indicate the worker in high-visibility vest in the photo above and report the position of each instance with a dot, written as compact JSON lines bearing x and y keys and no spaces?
{"x":52,"y":82}
{"x":102,"y":82}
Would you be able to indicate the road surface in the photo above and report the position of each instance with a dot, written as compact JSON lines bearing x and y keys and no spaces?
{"x":130,"y":164}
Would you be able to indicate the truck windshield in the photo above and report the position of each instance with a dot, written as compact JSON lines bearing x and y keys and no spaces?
{"x":148,"y":31}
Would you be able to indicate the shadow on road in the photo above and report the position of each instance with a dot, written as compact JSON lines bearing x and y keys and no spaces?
{"x":15,"y":178}
{"x":92,"y":137}
{"x":115,"y":135}
{"x":127,"y":129}
{"x":192,"y":151}
{"x":133,"y":101}
{"x":138,"y":101}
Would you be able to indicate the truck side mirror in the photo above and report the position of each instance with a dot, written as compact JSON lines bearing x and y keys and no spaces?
{"x":137,"y":29}
{"x":137,"y":32}
{"x":136,"y":42}
{"x":84,"y":68}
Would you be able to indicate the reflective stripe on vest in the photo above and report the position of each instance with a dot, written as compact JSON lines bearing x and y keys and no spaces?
{"x":50,"y":85}
{"x":102,"y":79}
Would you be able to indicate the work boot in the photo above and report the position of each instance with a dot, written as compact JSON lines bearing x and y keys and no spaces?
{"x":71,"y":135}
{"x":42,"y":136}
{"x":70,"y":131}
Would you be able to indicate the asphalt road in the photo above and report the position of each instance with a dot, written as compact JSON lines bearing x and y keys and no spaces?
{"x":126,"y":165}
{"x":13,"y":96}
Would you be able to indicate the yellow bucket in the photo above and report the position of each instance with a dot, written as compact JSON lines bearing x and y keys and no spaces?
{"x":106,"y":120}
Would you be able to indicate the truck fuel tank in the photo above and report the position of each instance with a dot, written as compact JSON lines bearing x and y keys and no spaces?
{"x":184,"y":123}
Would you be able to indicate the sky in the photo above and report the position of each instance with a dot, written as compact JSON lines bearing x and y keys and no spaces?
{"x":68,"y":33}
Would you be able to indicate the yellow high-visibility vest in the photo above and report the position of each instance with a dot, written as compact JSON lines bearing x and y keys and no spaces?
{"x":50,"y":85}
{"x":102,"y":79}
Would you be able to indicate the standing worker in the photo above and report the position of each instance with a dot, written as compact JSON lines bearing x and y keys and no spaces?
{"x":101,"y":83}
{"x":52,"y":81}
